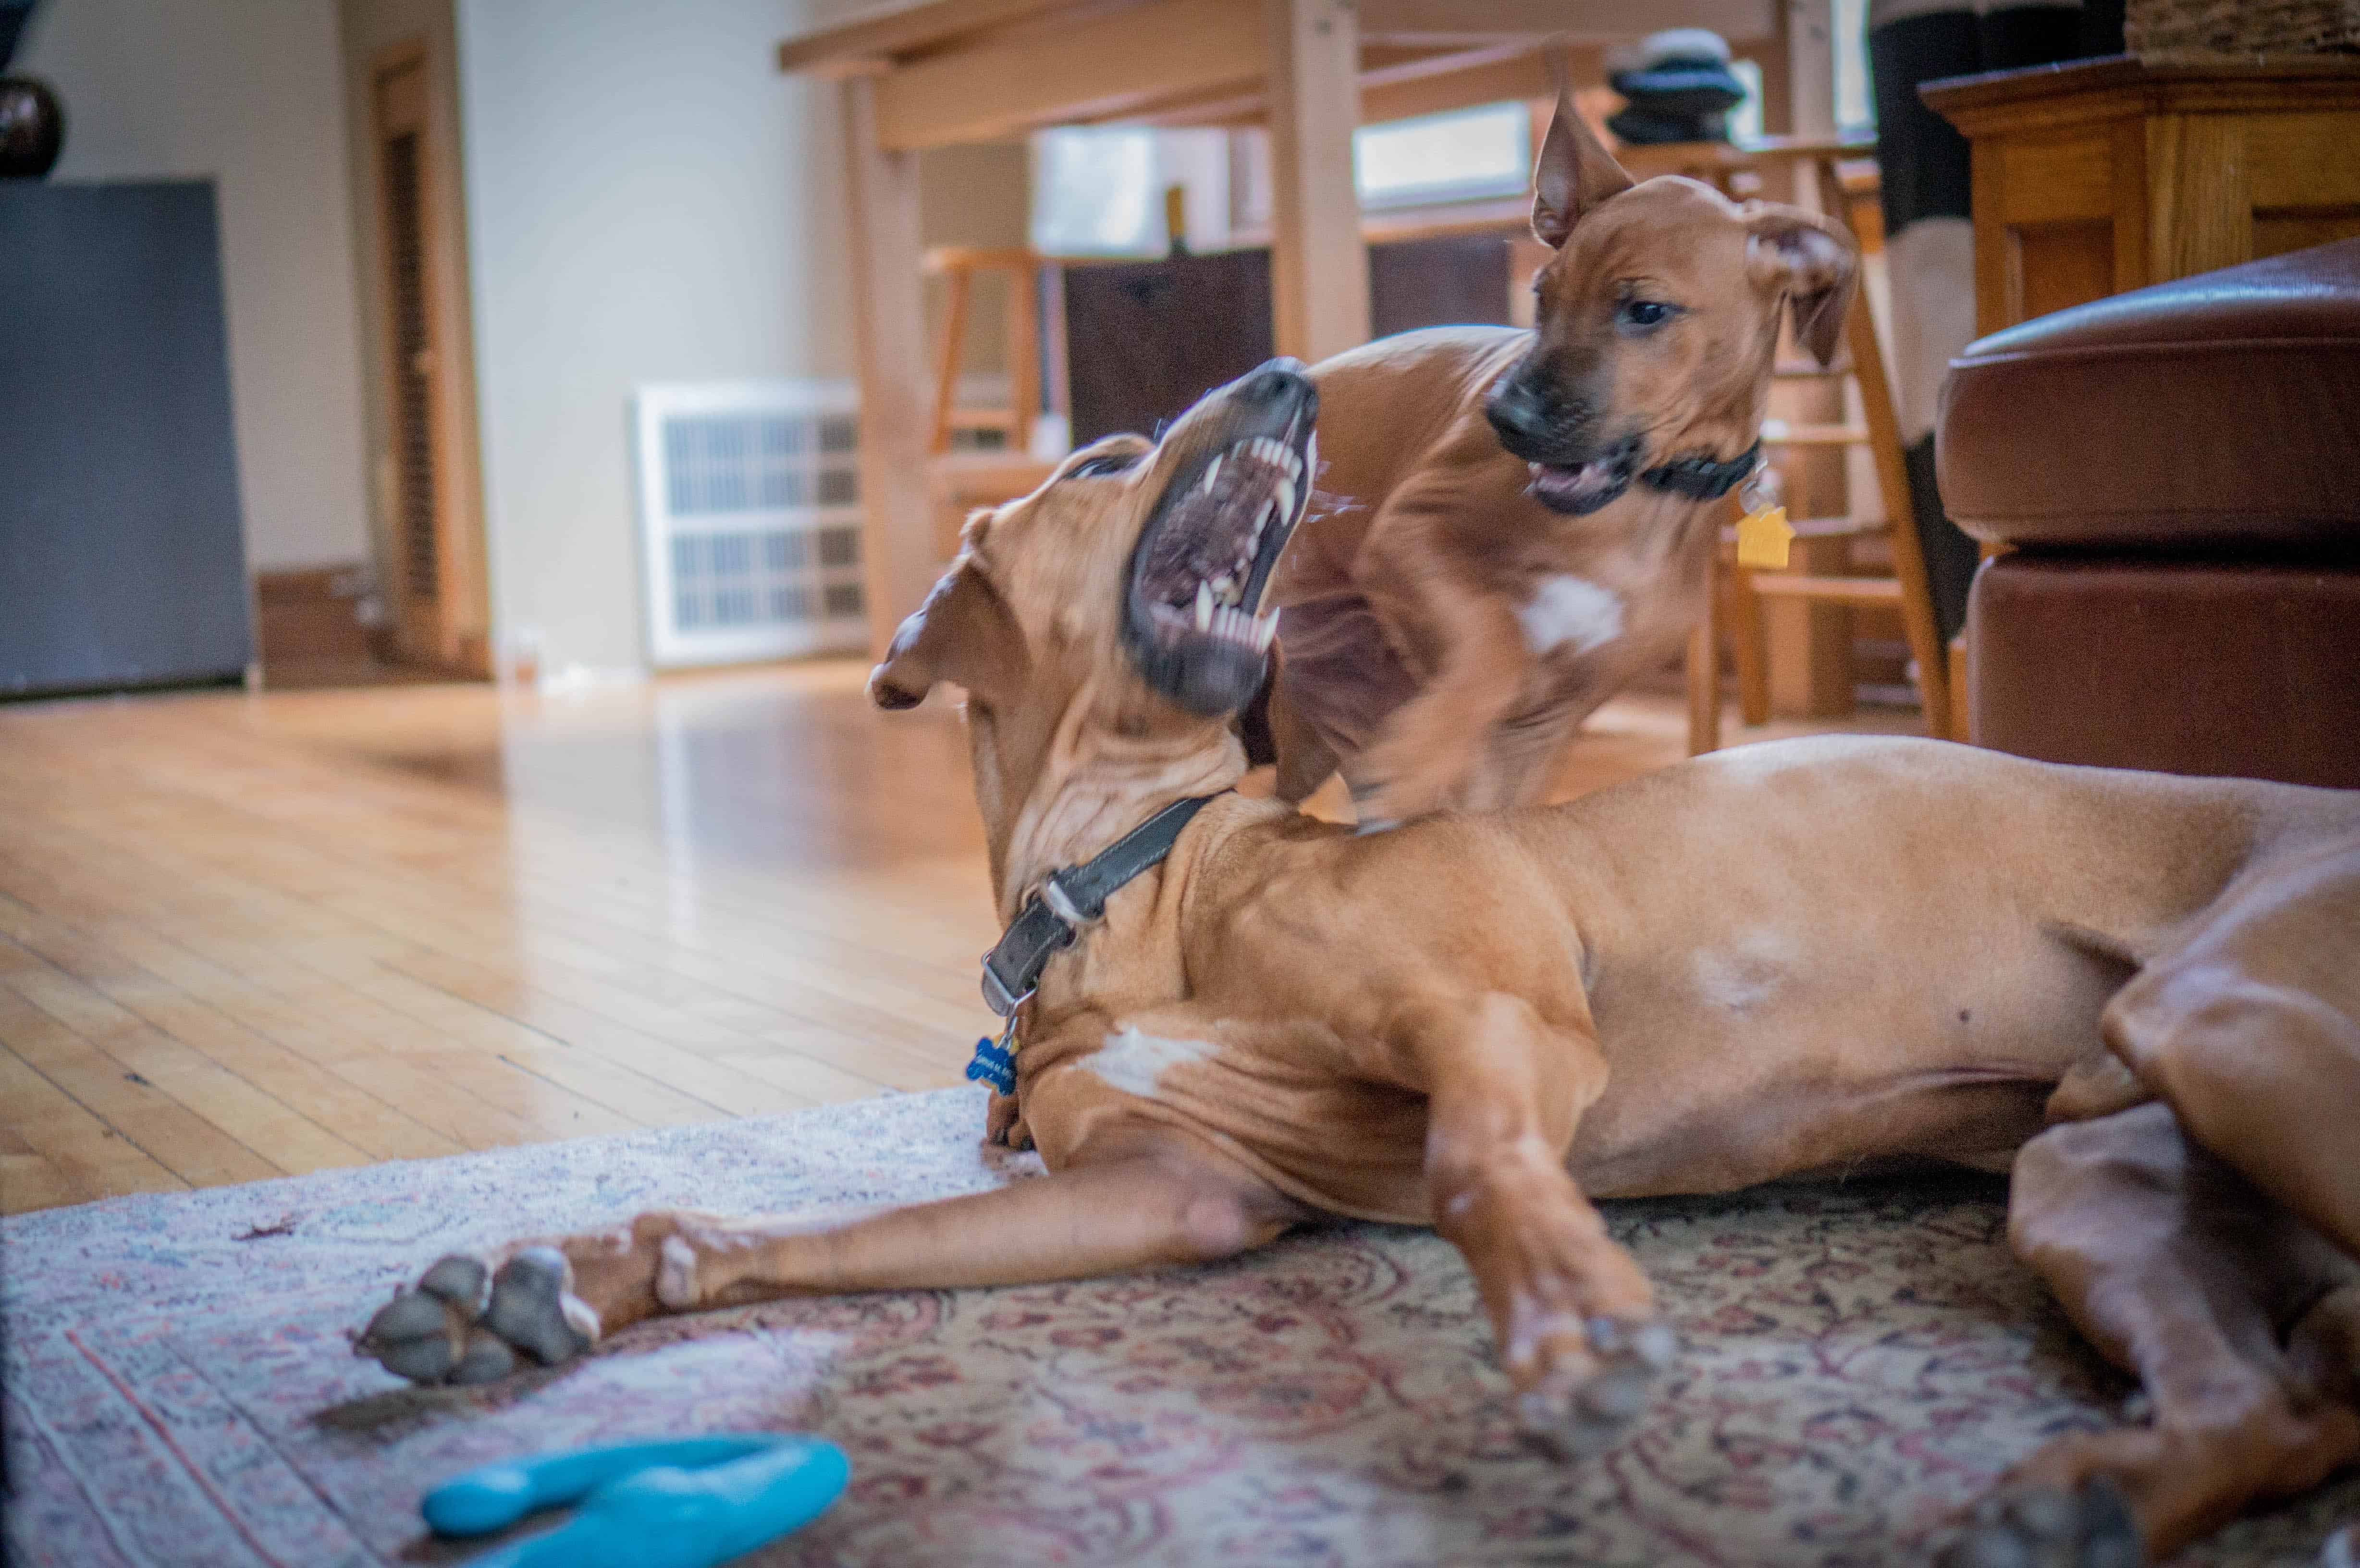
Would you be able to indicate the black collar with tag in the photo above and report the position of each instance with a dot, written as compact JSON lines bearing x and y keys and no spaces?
{"x":1702,"y":478}
{"x":1073,"y":898}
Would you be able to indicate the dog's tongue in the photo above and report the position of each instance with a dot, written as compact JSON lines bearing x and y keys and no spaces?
{"x":1573,"y":489}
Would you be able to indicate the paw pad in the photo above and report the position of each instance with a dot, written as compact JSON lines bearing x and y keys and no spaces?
{"x":527,"y":1306}
{"x":1572,"y":1418}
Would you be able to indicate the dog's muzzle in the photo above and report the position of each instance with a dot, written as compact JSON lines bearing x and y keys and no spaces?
{"x":1192,"y":615}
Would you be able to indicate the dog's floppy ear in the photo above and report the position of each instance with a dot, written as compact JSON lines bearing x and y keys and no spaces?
{"x":1817,"y":265}
{"x":963,"y":632}
{"x":1573,"y":174}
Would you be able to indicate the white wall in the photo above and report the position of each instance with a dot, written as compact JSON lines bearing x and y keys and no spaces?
{"x":250,"y":94}
{"x":648,"y":200}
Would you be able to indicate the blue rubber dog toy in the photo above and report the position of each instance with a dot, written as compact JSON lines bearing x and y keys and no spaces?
{"x":690,"y":1503}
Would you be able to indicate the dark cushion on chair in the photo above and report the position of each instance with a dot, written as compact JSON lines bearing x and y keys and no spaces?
{"x":2179,"y":666}
{"x":2222,"y":410}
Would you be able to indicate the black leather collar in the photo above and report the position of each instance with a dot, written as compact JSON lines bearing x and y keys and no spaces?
{"x":1701,"y":477}
{"x":1073,"y":898}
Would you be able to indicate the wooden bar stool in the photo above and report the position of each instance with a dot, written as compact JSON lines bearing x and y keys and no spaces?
{"x":1738,"y":592}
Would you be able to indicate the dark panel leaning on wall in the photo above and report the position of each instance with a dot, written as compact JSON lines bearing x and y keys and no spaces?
{"x":120,"y":532}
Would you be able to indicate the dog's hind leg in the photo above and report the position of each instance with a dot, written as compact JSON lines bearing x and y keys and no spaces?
{"x":1134,"y":1200}
{"x":2250,"y":1027}
{"x":2238,"y":1318}
{"x":1574,"y":1315}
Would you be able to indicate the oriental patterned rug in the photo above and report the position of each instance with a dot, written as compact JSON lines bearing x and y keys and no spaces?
{"x":1858,"y":1361}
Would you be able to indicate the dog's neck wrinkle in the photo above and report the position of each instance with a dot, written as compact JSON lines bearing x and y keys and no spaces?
{"x":1092,"y":789}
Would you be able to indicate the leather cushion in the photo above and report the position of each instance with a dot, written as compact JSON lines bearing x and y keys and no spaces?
{"x":2249,"y":671}
{"x":2219,"y":409}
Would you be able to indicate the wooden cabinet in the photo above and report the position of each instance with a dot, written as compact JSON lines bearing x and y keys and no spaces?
{"x":2099,"y":176}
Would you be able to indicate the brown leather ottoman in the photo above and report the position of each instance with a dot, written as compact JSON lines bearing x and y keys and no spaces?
{"x":2179,"y":470}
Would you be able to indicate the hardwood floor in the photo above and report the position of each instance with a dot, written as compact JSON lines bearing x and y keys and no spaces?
{"x":243,"y":936}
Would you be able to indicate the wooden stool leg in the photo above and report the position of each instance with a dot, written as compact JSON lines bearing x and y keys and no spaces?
{"x":1704,"y":674}
{"x":1752,"y":653}
{"x":1893,"y":481}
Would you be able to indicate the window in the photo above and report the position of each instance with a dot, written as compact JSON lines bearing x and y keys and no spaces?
{"x":1745,"y":120}
{"x":1464,"y":154}
{"x":1090,"y":191}
{"x":1099,"y":189}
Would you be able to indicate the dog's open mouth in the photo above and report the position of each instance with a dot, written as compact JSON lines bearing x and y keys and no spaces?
{"x":1578,"y":490}
{"x":1193,"y":619}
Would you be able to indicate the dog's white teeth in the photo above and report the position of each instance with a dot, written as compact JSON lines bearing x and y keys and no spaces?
{"x":1272,"y":507}
{"x":1204,"y":606}
{"x":1212,"y":472}
{"x":1264,"y":628}
{"x":1225,"y":589}
{"x":1283,"y":502}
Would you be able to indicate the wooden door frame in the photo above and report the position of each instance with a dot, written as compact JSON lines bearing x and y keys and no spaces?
{"x":453,"y":634}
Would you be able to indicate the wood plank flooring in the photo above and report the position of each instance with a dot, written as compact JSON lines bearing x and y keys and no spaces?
{"x":243,"y":936}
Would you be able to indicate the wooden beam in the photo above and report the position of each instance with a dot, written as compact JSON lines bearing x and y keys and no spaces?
{"x":1398,"y":89}
{"x":1521,"y":76}
{"x":860,"y":46}
{"x":897,"y":550}
{"x":1451,"y":21}
{"x":1110,"y":65}
{"x":1319,"y":265}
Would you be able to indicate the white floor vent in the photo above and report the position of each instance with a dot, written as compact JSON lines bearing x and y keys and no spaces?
{"x":749,"y":513}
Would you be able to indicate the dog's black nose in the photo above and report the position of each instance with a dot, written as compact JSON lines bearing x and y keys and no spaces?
{"x":1519,"y":413}
{"x":1273,"y":381}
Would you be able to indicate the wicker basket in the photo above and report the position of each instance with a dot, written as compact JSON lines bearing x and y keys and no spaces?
{"x":2168,"y":30}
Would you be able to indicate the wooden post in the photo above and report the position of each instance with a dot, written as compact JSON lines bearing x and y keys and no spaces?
{"x":1809,"y":37}
{"x":1318,"y":263}
{"x":897,"y":547}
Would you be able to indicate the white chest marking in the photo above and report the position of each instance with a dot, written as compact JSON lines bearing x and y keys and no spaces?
{"x":1745,"y":974}
{"x":1568,"y":611}
{"x":1135,"y":1063}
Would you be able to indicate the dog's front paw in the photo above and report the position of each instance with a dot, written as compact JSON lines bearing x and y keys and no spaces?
{"x":464,"y":1323}
{"x":1380,"y":808}
{"x":2048,"y":1527}
{"x":1003,"y":1123}
{"x":1596,"y":1384}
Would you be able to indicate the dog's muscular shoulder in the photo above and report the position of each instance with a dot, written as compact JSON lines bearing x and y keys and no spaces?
{"x":1407,"y":404}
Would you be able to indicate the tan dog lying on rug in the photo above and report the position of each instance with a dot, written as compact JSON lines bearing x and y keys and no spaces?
{"x":1834,"y":955}
{"x":1513,"y":525}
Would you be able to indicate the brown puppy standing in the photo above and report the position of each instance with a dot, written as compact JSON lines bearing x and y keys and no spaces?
{"x":1514,"y":524}
{"x":1729,"y":972}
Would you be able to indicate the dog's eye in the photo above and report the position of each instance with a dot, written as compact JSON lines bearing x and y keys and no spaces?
{"x":1104,"y":462}
{"x":1644,"y":314}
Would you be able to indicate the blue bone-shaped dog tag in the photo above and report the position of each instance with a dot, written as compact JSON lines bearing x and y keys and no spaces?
{"x":993,"y":1065}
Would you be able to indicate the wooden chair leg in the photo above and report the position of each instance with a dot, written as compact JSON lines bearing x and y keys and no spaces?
{"x":1892,"y":482}
{"x":1956,"y":716}
{"x":1704,"y":674}
{"x":1749,"y":648}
